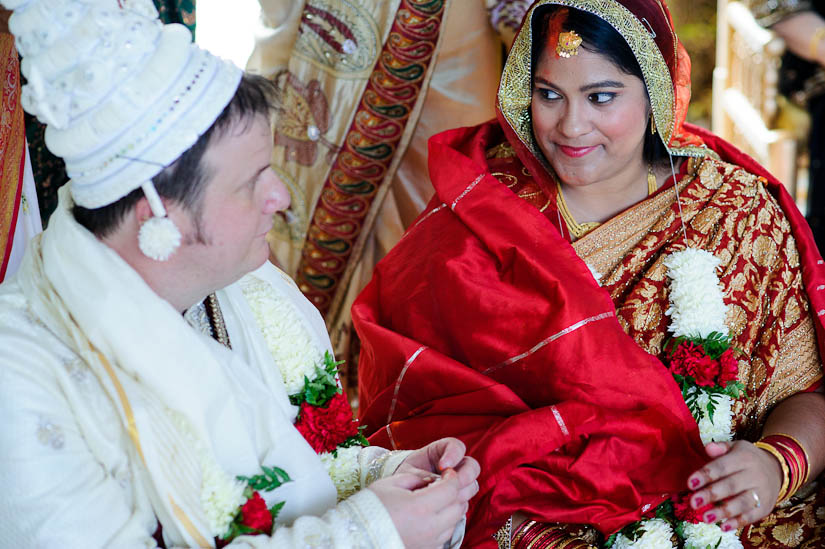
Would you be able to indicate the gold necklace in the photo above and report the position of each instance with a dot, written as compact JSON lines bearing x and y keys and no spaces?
{"x":578,"y":230}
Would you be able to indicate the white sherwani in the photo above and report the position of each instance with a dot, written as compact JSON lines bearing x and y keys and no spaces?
{"x":113,"y":407}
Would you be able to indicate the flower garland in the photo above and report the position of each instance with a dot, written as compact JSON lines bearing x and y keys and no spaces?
{"x":311,"y":378}
{"x":234,"y":507}
{"x":704,"y":365}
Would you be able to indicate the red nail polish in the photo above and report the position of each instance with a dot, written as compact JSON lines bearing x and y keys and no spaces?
{"x":727,"y":527}
{"x":694,"y":482}
{"x":710,"y":517}
{"x":698,"y":502}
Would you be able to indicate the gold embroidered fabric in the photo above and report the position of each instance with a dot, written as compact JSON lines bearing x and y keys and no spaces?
{"x":729,"y":212}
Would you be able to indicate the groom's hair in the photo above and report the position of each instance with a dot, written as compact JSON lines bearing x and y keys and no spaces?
{"x":183,"y":181}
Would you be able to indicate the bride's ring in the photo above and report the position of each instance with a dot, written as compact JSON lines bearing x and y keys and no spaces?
{"x":756,"y":500}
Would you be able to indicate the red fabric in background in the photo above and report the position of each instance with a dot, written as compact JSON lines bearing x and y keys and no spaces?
{"x":466,"y":291}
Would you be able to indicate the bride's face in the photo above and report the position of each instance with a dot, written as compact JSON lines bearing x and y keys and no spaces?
{"x":589,"y":119}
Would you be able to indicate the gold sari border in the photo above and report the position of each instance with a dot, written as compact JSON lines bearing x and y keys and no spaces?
{"x":13,"y":145}
{"x":398,"y":383}
{"x":552,"y":338}
{"x":187,"y":523}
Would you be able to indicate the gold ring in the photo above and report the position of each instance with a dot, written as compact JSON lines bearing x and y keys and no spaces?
{"x":756,"y":500}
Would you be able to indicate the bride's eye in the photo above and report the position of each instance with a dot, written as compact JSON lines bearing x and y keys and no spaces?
{"x":601,"y":97}
{"x":548,"y":94}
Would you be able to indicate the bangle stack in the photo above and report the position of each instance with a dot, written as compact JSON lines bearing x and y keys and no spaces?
{"x":535,"y":535}
{"x":793,"y":459}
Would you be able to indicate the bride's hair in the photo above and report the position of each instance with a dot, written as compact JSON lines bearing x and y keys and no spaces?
{"x":598,"y":37}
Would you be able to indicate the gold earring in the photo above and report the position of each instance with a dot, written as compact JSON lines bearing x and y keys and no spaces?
{"x":652,"y":124}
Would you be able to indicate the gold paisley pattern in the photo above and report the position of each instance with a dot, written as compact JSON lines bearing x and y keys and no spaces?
{"x":730,"y":213}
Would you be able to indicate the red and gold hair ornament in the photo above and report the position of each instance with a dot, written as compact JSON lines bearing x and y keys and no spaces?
{"x":563,"y":43}
{"x":568,"y":44}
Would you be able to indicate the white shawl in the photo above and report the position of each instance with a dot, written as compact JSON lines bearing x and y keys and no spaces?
{"x":184,"y":399}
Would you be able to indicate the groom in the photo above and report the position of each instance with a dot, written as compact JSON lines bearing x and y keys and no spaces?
{"x":136,"y":383}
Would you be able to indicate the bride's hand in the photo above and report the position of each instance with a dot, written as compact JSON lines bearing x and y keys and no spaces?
{"x":742,"y":483}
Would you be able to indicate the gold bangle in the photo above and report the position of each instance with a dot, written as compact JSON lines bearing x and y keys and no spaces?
{"x":813,"y":45}
{"x":804,"y":451}
{"x":783,"y":490}
{"x":521,"y":530}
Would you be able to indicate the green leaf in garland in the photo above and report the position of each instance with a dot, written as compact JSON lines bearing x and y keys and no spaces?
{"x":633,"y":531}
{"x":237,"y":529}
{"x":272,"y":478}
{"x":320,"y":390}
{"x":679,"y":528}
{"x":355,"y":440}
{"x":713,"y":402}
{"x":665,"y":511}
{"x":735,"y":390}
{"x":715,"y":344}
{"x":275,"y":509}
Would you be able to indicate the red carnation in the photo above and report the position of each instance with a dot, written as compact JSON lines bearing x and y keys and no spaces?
{"x":729,"y":368}
{"x":325,"y":427}
{"x":683,"y":510}
{"x":683,"y":358}
{"x":690,"y":360}
{"x":705,"y":371}
{"x":255,"y":515}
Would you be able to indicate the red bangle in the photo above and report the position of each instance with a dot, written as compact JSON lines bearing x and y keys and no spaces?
{"x":795,"y":457}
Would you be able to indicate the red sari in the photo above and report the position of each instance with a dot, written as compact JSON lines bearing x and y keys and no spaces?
{"x":485,"y":324}
{"x":482,"y":323}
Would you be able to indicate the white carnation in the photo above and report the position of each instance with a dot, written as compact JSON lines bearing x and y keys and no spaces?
{"x":221,"y":496}
{"x":287,"y":339}
{"x":703,"y":535}
{"x":718,"y":430}
{"x":657,"y":534}
{"x":697,"y":308}
{"x":343,"y":470}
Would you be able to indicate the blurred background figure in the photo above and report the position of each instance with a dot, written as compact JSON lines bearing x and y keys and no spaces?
{"x":19,"y":214}
{"x":768,"y":93}
{"x":802,"y":79}
{"x":364,"y":86}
